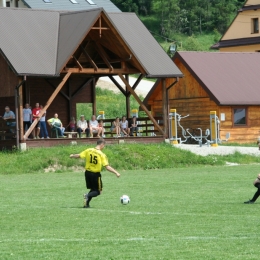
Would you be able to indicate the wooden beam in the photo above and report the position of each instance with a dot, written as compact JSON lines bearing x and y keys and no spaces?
{"x":136,"y":83}
{"x":48,"y":103}
{"x":81,"y":87}
{"x":66,"y":96}
{"x":77,"y":62}
{"x":98,"y":28}
{"x":93,"y":64}
{"x":20,"y":104}
{"x":103,"y":55}
{"x":164,"y":107}
{"x":141,"y":104}
{"x":127,"y":99}
{"x":94,"y":104}
{"x":100,"y":71}
{"x":118,"y":85}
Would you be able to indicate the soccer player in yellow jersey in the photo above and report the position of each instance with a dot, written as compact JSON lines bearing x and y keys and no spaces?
{"x":95,"y":160}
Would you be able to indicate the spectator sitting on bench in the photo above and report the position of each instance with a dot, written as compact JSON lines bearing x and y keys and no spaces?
{"x":82,"y":126}
{"x":56,"y":123}
{"x":115,"y":128}
{"x":101,"y":126}
{"x":124,"y":126}
{"x":9,"y":115}
{"x":94,"y":127}
{"x":72,"y":124}
{"x":133,"y":125}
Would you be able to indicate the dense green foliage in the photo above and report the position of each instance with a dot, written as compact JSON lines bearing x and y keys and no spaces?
{"x":185,"y":16}
{"x":123,"y":157}
{"x":193,"y":25}
{"x":185,"y":213}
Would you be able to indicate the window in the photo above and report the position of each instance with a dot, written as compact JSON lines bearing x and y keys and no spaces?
{"x":47,"y":1}
{"x":90,"y":2}
{"x":74,"y":2}
{"x":8,"y":4}
{"x":239,"y":116}
{"x":255,"y":25}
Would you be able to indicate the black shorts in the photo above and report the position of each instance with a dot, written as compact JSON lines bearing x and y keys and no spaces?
{"x":38,"y":124}
{"x":93,"y":180}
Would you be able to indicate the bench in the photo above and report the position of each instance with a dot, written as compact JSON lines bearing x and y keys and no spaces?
{"x":71,"y":134}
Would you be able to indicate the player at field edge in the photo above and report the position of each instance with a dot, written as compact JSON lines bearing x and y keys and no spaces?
{"x":256,"y":183}
{"x":95,"y":160}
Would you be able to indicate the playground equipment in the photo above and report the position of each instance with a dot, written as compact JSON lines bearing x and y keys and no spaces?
{"x":101,"y":115}
{"x":175,"y":122}
{"x":213,"y":132}
{"x":139,"y":129}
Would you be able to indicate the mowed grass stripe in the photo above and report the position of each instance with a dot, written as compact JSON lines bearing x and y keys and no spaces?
{"x":186,"y":213}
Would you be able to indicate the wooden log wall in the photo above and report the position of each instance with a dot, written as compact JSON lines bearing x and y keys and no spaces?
{"x":8,"y":80}
{"x":41,"y":89}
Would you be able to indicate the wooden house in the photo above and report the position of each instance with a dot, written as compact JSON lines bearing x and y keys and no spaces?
{"x":227,"y":83}
{"x":243,"y":34}
{"x":55,"y":58}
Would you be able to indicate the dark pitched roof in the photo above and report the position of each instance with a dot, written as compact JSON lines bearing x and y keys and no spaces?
{"x":38,"y":42}
{"x":107,"y":5}
{"x":147,"y":50}
{"x":236,"y":42}
{"x":229,"y":78}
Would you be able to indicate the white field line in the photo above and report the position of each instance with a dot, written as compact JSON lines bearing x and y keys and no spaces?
{"x":143,"y":239}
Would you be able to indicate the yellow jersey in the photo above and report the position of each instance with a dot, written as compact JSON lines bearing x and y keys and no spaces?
{"x":95,"y":159}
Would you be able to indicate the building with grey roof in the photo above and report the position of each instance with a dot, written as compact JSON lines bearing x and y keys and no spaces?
{"x":55,"y":58}
{"x":72,"y":5}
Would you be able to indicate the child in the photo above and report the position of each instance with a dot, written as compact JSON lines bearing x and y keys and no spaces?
{"x":72,"y":124}
{"x":256,"y":183}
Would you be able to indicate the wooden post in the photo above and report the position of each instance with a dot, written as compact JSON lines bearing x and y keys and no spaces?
{"x":141,"y":104}
{"x":127,"y":99}
{"x":94,"y":104}
{"x":164,"y":107}
{"x":48,"y":103}
{"x":20,"y":105}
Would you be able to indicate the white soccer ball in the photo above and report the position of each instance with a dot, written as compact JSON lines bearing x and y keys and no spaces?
{"x":125,"y":199}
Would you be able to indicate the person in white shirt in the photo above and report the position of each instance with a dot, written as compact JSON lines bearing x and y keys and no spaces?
{"x":27,"y":117}
{"x":124,"y":126}
{"x":94,"y":127}
{"x":82,"y":126}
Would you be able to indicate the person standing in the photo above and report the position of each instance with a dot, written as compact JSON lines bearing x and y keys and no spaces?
{"x":95,"y":160}
{"x":43,"y":128}
{"x":35,"y":115}
{"x":256,"y":183}
{"x":27,"y":117}
{"x":82,"y":126}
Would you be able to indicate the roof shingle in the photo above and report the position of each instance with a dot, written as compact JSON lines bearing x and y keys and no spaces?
{"x":231,"y":78}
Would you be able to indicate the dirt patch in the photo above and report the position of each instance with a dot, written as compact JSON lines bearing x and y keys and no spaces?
{"x":57,"y":167}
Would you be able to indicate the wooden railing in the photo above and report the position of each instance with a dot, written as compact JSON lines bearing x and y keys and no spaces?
{"x":145,"y":126}
{"x":7,"y":134}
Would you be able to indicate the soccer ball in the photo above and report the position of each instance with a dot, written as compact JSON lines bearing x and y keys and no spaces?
{"x":124,"y":199}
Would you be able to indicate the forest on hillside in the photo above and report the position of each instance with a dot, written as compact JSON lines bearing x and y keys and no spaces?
{"x":187,"y":17}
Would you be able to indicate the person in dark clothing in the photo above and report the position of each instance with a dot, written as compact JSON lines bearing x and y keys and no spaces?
{"x":256,"y":183}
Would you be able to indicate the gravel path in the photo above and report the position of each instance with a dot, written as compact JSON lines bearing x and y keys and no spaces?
{"x":220,"y":150}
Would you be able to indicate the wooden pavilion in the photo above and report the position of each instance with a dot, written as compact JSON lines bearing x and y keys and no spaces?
{"x":56,"y":57}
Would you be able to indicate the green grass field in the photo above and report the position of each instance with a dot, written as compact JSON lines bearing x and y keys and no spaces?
{"x":184,"y":213}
